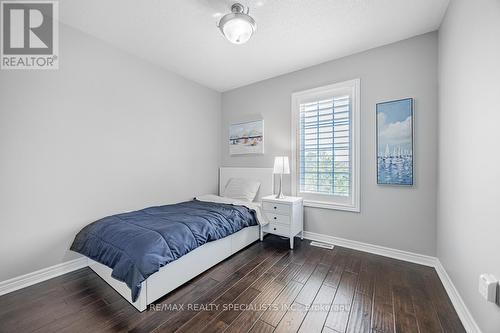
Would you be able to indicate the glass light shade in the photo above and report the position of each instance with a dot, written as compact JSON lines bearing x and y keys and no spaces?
{"x":237,"y":30}
{"x":281,"y":165}
{"x":237,"y":26}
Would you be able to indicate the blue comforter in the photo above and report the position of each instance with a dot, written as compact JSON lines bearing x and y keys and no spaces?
{"x":136,"y":244}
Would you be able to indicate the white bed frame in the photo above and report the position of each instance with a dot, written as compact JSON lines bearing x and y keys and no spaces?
{"x":200,"y":259}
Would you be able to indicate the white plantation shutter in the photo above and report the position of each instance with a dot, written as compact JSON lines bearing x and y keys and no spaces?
{"x":324,"y":162}
{"x":325,"y":146}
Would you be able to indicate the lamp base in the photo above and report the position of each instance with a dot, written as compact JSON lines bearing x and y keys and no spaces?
{"x":280,"y":193}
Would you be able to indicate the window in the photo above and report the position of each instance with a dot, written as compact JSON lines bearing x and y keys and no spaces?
{"x":325,"y":146}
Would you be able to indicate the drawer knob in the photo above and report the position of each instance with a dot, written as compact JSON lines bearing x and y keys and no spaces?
{"x":274,"y":228}
{"x":274,"y":207}
{"x":275,"y":217}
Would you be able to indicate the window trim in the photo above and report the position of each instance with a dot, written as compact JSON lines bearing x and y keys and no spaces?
{"x":300,"y":96}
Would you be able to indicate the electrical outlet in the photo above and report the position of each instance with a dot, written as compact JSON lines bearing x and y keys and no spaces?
{"x":488,"y":286}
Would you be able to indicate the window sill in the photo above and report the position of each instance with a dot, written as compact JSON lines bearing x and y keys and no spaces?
{"x":331,"y":205}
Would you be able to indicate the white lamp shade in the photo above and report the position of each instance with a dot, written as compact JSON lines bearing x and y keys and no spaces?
{"x":281,"y":165}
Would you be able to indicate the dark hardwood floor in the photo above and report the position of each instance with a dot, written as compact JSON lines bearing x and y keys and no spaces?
{"x":264,"y":288}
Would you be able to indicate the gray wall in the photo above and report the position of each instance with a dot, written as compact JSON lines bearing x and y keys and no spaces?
{"x":469,"y":136}
{"x":402,"y":218}
{"x":105,"y":133}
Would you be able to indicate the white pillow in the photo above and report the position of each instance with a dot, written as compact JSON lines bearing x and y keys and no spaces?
{"x":241,"y":189}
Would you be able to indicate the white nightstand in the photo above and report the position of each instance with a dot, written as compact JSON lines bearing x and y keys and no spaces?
{"x":285,"y":216}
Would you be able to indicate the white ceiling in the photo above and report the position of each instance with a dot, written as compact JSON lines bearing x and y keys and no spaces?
{"x":181,"y":35}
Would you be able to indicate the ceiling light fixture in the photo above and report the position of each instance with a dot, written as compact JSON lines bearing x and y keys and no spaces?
{"x":237,"y":26}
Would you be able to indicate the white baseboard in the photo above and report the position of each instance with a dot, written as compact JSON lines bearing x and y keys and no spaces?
{"x":463,"y":312}
{"x":41,"y":275}
{"x":458,"y":303}
{"x":375,"y":249}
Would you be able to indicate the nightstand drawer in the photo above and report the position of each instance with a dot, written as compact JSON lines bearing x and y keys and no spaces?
{"x":279,"y":229}
{"x":276,"y":208}
{"x":284,"y":219}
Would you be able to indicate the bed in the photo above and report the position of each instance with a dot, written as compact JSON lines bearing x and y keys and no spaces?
{"x":222,"y":242}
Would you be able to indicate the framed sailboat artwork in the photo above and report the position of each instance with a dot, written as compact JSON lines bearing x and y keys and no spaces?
{"x":395,"y":142}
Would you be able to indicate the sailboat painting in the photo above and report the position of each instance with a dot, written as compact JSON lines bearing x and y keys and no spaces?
{"x":246,"y":138}
{"x":395,"y":142}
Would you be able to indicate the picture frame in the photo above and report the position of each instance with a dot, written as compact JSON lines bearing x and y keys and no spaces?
{"x":395,"y":142}
{"x":246,"y":138}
